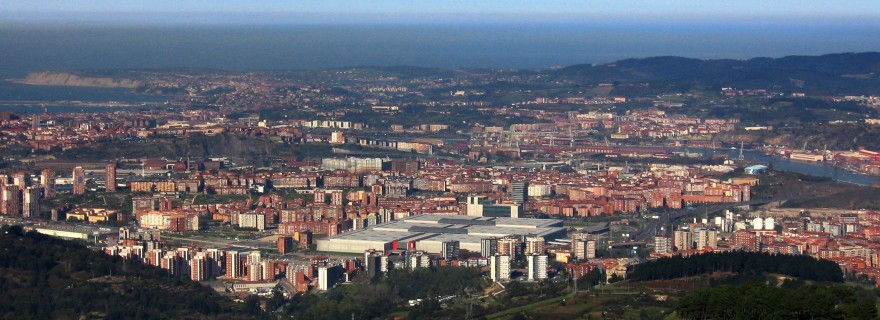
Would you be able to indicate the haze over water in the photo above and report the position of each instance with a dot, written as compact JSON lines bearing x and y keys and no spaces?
{"x":59,"y":46}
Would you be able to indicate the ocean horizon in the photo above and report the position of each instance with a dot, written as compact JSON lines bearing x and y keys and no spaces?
{"x":28,"y":48}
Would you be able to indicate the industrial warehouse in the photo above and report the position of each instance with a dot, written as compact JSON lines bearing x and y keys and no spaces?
{"x":428,"y":232}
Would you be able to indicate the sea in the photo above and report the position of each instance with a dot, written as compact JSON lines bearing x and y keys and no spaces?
{"x":25,"y":47}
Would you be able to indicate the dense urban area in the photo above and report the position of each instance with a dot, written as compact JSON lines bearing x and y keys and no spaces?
{"x":416,"y":193}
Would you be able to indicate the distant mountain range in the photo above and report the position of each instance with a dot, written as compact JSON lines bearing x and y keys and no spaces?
{"x":844,"y":73}
{"x":831,"y":74}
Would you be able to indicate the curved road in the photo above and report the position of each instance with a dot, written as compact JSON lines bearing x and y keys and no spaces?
{"x":647,"y":232}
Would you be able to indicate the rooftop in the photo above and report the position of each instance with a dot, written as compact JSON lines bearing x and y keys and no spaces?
{"x":430,"y":229}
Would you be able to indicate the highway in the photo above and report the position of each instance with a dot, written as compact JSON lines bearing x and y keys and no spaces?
{"x":647,"y":232}
{"x":218,"y":243}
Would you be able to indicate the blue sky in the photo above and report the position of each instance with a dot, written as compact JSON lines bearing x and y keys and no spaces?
{"x":850,"y":11}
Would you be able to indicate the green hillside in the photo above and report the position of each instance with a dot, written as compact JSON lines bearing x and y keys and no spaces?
{"x":48,"y":278}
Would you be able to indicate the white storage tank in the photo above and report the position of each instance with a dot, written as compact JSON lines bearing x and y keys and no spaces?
{"x":769,"y":223}
{"x":758,"y":223}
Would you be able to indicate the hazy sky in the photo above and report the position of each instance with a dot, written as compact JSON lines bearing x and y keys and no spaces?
{"x":848,"y":11}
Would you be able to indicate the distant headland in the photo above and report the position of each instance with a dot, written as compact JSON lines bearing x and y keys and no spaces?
{"x":70,"y":79}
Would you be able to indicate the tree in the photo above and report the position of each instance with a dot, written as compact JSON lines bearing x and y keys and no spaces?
{"x":759,"y":301}
{"x":52,"y":280}
{"x":276,"y":301}
{"x":801,"y":266}
{"x":252,"y":304}
{"x":862,"y":310}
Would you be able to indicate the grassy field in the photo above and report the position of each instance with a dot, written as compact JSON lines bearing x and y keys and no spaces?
{"x":529,"y":307}
{"x":232,"y":235}
{"x":587,"y":306}
{"x":615,"y":301}
{"x":332,"y":254}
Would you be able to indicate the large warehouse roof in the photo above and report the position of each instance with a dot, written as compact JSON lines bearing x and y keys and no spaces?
{"x":429,"y":230}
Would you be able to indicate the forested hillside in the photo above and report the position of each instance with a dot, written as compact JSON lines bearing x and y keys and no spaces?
{"x":758,"y":301}
{"x":48,"y":278}
{"x":800,"y":266}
